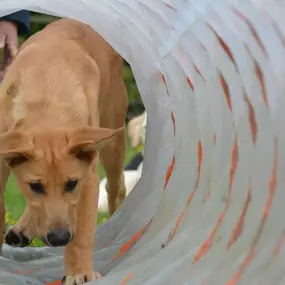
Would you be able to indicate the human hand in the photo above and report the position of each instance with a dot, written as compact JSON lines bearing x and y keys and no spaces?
{"x":8,"y":42}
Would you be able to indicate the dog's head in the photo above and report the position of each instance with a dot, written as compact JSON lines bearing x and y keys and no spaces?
{"x":51,"y":168}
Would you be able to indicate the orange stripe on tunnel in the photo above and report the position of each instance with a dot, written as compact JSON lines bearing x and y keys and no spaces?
{"x":200,"y":160}
{"x":127,"y":279}
{"x":130,"y":243}
{"x":57,"y":282}
{"x":169,"y":172}
{"x":272,"y":186}
{"x":208,"y":243}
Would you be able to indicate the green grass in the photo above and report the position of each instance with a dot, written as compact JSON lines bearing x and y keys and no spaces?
{"x":15,"y":202}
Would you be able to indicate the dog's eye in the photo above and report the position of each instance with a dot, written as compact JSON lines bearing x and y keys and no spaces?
{"x":70,"y":185}
{"x":37,"y":187}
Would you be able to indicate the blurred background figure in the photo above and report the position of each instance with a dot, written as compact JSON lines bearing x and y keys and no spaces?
{"x":11,"y":27}
{"x":133,"y":170}
{"x":136,"y":130}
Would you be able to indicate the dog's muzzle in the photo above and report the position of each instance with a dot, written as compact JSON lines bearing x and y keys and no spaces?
{"x":57,"y":237}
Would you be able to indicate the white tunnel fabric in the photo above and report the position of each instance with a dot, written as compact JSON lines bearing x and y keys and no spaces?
{"x":209,"y":206}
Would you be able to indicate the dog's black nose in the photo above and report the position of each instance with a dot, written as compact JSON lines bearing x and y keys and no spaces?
{"x":58,"y":237}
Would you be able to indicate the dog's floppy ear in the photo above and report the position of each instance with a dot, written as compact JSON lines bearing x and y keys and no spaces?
{"x":87,"y":140}
{"x":14,"y":149}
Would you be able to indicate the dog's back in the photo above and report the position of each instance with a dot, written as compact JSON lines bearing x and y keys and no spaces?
{"x":66,"y":62}
{"x":66,"y":30}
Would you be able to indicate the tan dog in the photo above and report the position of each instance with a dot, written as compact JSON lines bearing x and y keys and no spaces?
{"x":63,"y":100}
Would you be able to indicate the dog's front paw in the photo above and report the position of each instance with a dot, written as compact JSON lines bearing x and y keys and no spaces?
{"x":16,"y":239}
{"x":81,"y":278}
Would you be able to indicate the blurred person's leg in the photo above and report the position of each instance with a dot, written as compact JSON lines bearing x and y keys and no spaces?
{"x":11,"y":27}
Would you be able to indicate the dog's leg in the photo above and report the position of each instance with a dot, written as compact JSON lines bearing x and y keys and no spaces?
{"x":78,"y":254}
{"x":113,"y":110}
{"x":4,"y":175}
{"x":23,"y":232}
{"x":112,"y":157}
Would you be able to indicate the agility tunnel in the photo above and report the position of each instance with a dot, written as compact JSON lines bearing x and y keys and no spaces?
{"x":209,"y":208}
